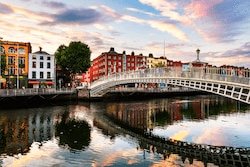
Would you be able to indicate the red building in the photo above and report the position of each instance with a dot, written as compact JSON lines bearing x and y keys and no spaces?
{"x":111,"y":62}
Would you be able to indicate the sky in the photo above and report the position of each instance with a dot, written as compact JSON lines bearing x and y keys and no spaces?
{"x":171,"y":28}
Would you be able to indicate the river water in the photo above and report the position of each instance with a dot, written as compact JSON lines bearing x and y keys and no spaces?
{"x":111,"y":133}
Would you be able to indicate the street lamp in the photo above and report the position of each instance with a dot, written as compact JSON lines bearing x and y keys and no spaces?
{"x":1,"y":61}
{"x":198,"y":52}
{"x":17,"y":75}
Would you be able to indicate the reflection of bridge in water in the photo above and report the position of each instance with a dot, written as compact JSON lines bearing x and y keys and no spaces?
{"x":218,"y":155}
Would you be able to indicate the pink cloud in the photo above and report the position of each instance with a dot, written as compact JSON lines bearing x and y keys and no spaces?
{"x":198,"y":9}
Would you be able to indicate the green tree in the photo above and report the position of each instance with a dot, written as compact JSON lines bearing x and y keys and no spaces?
{"x":74,"y":58}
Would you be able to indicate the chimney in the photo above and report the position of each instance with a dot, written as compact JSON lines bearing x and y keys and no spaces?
{"x":112,"y":49}
{"x":40,"y":48}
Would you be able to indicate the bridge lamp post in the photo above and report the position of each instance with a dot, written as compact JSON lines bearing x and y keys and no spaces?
{"x":198,"y":52}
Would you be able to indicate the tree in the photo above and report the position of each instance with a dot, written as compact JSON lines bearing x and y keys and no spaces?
{"x":74,"y":58}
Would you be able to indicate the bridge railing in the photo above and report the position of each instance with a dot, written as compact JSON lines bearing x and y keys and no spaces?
{"x":241,"y":76}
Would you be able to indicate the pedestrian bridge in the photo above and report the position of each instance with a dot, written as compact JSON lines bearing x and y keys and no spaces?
{"x":227,"y":82}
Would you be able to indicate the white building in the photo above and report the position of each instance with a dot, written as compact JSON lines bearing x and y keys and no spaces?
{"x":41,"y":70}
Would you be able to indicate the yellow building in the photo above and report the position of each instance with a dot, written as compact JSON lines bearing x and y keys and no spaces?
{"x":153,"y":62}
{"x":16,"y":55}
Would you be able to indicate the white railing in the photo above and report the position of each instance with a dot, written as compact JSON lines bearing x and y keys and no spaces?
{"x":203,"y":73}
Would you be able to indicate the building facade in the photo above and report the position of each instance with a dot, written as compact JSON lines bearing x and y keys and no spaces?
{"x":16,"y":56}
{"x":41,"y":70}
{"x":153,"y":62}
{"x":112,"y":62}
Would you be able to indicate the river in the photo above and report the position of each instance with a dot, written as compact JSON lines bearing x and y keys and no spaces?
{"x":121,"y":133}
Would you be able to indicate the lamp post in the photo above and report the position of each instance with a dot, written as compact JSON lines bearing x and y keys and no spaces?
{"x":1,"y":61}
{"x":198,"y":52}
{"x":17,"y":75}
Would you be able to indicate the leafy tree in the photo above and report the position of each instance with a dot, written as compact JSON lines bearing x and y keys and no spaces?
{"x":74,"y":58}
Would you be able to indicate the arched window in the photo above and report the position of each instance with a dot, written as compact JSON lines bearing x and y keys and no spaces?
{"x":2,"y":50}
{"x":11,"y":50}
{"x":21,"y":51}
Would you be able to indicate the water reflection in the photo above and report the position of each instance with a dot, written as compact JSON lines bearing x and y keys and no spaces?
{"x":158,"y":116}
{"x":19,"y":130}
{"x":72,"y":133}
{"x":126,"y":133}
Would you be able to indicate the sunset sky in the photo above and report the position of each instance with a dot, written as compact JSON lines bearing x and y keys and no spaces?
{"x":219,"y":28}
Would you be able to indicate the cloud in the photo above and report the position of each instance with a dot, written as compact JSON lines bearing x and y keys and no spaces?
{"x":213,"y":20}
{"x":109,"y":13}
{"x":159,"y":25}
{"x":5,"y":9}
{"x":170,"y":28}
{"x":218,"y":20}
{"x":237,"y":57}
{"x":167,"y":9}
{"x":141,"y":11}
{"x":53,"y":4}
{"x":201,"y":8}
{"x":133,"y":19}
{"x":75,"y":16}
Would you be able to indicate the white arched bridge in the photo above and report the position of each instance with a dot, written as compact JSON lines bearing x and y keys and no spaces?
{"x":227,"y":82}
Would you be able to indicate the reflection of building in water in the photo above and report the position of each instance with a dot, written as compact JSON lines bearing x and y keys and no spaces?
{"x":41,"y":127}
{"x":14,"y":135}
{"x":146,"y":116}
{"x":18,"y":132}
{"x":132,"y":114}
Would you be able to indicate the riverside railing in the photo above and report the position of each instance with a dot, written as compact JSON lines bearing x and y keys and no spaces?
{"x":34,"y":91}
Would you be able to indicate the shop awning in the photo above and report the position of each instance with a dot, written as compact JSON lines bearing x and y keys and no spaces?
{"x":33,"y":82}
{"x":49,"y":82}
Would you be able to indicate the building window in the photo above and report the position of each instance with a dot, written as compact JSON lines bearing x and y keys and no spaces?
{"x":11,"y":60}
{"x":41,"y":64}
{"x":33,"y":57}
{"x":33,"y":64}
{"x":11,"y":71}
{"x":41,"y":75}
{"x":21,"y":51}
{"x":1,"y":49}
{"x":11,"y":50}
{"x":48,"y":75}
{"x":48,"y":65}
{"x":48,"y":58}
{"x":33,"y":74}
{"x":41,"y":57}
{"x":21,"y":60}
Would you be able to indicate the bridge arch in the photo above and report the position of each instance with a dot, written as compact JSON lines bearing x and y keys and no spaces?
{"x":203,"y":79}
